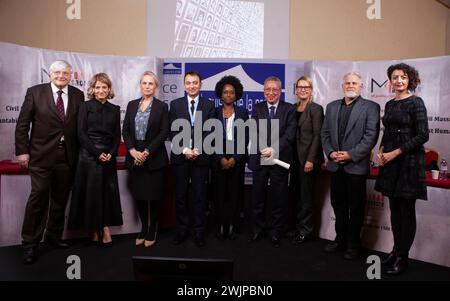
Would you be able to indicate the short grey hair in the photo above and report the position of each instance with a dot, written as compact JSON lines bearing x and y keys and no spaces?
{"x":352,"y":73}
{"x":273,"y":79}
{"x":58,"y":65}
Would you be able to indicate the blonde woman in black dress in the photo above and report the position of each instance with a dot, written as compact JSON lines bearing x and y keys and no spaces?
{"x":145,"y":128}
{"x":95,"y":201}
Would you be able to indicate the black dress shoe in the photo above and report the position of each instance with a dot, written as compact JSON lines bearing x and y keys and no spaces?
{"x":299,"y":239}
{"x":256,"y":236}
{"x":400,"y":265}
{"x":199,"y":240}
{"x":180,"y":237}
{"x":275,"y":241}
{"x":351,"y":253}
{"x":389,"y":260}
{"x":292,"y":234}
{"x":56,"y":243}
{"x":30,"y":255}
{"x":334,"y":247}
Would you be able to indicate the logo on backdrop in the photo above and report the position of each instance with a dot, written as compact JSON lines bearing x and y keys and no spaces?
{"x":380,"y":89}
{"x":172,"y":68}
{"x":252,"y":76}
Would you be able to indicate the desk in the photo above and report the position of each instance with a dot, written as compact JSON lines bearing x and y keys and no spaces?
{"x":430,"y":182}
{"x":15,"y":189}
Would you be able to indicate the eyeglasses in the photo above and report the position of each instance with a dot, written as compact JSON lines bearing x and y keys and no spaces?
{"x":303,"y":87}
{"x":272,"y":90}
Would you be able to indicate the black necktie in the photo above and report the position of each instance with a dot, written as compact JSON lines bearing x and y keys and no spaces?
{"x":60,"y":105}
{"x":192,"y":128}
{"x":272,"y":112}
{"x":269,"y":125}
{"x":192,"y":107}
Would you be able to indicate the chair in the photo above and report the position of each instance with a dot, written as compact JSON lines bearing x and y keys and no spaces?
{"x":122,"y":151}
{"x":430,"y":156}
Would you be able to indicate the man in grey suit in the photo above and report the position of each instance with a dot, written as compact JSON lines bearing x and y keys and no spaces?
{"x":349,"y":132}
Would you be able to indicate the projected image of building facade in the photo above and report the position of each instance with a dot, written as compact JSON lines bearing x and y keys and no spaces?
{"x":219,"y":29}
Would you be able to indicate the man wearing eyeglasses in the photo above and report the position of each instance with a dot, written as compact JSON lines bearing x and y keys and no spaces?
{"x":49,"y":151}
{"x":271,"y":110}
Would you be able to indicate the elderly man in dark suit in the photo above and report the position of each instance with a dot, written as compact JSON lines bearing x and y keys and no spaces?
{"x":349,"y":132}
{"x":190,"y":163}
{"x":50,"y":153}
{"x":271,"y":109}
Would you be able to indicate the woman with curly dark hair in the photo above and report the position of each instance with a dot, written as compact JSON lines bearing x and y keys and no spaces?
{"x":228,"y":166}
{"x":402,"y":160}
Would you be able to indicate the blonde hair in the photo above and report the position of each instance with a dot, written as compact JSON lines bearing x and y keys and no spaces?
{"x":307,"y":79}
{"x":103,"y":78}
{"x":152,"y":75}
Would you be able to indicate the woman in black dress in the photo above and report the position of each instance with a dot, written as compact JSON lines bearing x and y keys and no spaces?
{"x":144,"y":132}
{"x":228,"y":166}
{"x":402,"y":160}
{"x":95,"y":201}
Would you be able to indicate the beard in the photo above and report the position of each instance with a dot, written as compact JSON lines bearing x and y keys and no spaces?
{"x":351,"y":94}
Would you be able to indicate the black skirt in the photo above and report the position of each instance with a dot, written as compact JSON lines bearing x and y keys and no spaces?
{"x":147,"y":184}
{"x":95,"y":197}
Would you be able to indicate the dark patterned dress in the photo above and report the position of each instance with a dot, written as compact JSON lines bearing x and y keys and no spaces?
{"x":405,"y":127}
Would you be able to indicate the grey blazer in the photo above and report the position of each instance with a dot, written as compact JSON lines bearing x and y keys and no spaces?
{"x":309,"y":147}
{"x":360,"y":137}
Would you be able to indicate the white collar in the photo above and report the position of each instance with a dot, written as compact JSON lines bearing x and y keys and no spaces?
{"x":56,"y":89}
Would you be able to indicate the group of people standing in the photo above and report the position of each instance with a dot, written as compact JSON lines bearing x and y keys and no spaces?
{"x":73,"y":141}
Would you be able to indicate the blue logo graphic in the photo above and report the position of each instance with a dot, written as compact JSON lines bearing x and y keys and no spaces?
{"x":252,"y":76}
{"x":172,"y":68}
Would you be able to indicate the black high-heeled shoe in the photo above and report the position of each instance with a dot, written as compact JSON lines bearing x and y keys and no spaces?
{"x":220,"y":233}
{"x":389,"y":260}
{"x":231,"y":233}
{"x":400,"y":265}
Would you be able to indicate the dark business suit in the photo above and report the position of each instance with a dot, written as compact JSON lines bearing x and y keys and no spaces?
{"x":348,"y":181}
{"x":51,"y":164}
{"x":185,"y":170}
{"x":309,"y":148}
{"x":278,"y":176}
{"x":228,"y":182}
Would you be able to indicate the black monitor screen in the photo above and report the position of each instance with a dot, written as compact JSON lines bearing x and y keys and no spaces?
{"x":148,"y":268}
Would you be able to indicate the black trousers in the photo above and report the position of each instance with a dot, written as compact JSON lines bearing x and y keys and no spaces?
{"x":348,"y":199}
{"x":403,"y":223}
{"x":197,"y":176}
{"x":278,"y":198}
{"x":45,"y":209}
{"x":228,"y":188}
{"x":148,"y":230}
{"x":304,"y":206}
